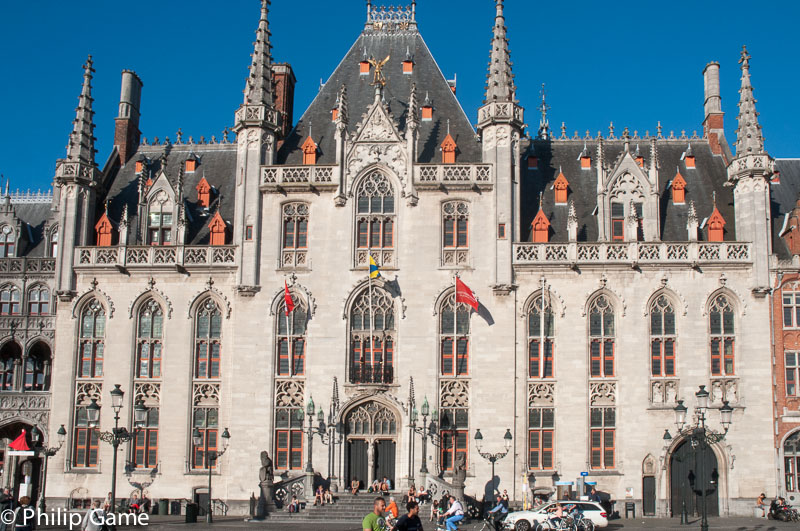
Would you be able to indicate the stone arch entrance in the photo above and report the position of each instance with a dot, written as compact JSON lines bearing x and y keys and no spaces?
{"x":691,"y":472}
{"x":21,"y":473}
{"x":371,"y":443}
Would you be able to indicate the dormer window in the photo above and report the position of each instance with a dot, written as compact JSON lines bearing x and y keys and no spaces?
{"x":8,"y":242}
{"x":678,"y":189}
{"x":688,"y":157}
{"x":617,"y":221}
{"x":448,"y":150}
{"x":364,"y":67}
{"x":203,"y":193}
{"x":54,"y":243}
{"x":716,"y":226}
{"x":408,"y":67}
{"x":561,"y":185}
{"x":159,"y":221}
{"x":103,"y":229}
{"x":540,"y":227}
{"x":309,"y":151}
{"x":427,"y":113}
{"x":139,"y":166}
{"x":191,"y":165}
{"x":216,"y":229}
{"x":586,"y":162}
{"x":334,"y":114}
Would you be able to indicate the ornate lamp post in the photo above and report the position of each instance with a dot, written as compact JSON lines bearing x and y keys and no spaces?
{"x":119,"y":434}
{"x":330,"y":434}
{"x":211,"y":456}
{"x":700,"y":438}
{"x":427,"y":429}
{"x":309,"y":431}
{"x":493,"y":458}
{"x":36,"y":436}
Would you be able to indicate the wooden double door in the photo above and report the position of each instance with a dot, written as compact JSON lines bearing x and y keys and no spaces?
{"x":693,"y":472}
{"x":365,"y":469}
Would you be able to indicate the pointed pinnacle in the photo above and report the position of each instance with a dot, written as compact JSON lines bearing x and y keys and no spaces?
{"x":258,"y":89}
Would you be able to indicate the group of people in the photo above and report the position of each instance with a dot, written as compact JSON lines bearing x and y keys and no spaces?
{"x":383,"y":518}
{"x":322,"y":496}
{"x":19,"y":522}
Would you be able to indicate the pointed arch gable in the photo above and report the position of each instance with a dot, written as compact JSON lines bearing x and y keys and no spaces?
{"x":395,"y":180}
{"x":384,"y":399}
{"x":298,"y":290}
{"x":556,"y":301}
{"x":210,"y":293}
{"x":740,"y":307}
{"x":95,"y":293}
{"x":674,"y":297}
{"x":379,"y":283}
{"x":615,"y":298}
{"x":151,"y":293}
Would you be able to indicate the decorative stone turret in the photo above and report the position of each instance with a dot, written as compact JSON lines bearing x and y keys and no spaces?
{"x":257,"y":126}
{"x":749,"y":172}
{"x":75,"y":182}
{"x":500,"y":124}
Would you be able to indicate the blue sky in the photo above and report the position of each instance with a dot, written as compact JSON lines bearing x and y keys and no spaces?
{"x":630,"y":63}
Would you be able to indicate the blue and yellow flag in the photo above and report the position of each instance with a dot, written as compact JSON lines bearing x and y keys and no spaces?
{"x":374,"y":272}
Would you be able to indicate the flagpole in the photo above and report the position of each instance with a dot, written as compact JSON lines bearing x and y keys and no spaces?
{"x":371,"y":320}
{"x":289,"y":345}
{"x":541,"y":333}
{"x":455,"y":323}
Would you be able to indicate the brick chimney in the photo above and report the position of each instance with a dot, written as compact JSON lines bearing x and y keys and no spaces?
{"x":284,"y":95}
{"x":126,"y":132}
{"x":713,"y":122}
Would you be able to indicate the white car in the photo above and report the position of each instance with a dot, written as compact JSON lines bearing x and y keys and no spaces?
{"x":528,"y":520}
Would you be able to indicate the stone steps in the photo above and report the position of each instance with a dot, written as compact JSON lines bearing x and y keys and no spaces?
{"x":346,"y":509}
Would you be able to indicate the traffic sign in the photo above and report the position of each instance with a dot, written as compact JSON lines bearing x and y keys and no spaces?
{"x":584,"y":474}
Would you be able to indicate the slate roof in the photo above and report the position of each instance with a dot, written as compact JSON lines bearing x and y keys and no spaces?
{"x":708,"y":176}
{"x":783,"y":198}
{"x":360,"y":95}
{"x":33,"y":217}
{"x":215,"y":162}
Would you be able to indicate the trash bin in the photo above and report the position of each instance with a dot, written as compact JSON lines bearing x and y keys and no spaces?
{"x":191,"y":513}
{"x":163,"y":507}
{"x":175,"y":508}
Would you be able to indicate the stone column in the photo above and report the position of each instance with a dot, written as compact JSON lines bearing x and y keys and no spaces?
{"x":370,"y":462}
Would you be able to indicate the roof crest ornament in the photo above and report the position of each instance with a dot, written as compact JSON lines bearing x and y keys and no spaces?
{"x":544,"y":124}
{"x":391,"y":18}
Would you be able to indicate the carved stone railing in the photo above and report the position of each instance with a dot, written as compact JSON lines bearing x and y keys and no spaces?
{"x":27,"y":265}
{"x":433,"y":176}
{"x":664,"y":392}
{"x":294,"y":259}
{"x":284,"y":490}
{"x":132,"y":257}
{"x":278,"y":178}
{"x":455,"y":257}
{"x":632,"y":253}
{"x":724,"y":389}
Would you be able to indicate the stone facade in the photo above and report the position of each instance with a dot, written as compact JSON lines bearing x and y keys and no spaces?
{"x":302,"y":219}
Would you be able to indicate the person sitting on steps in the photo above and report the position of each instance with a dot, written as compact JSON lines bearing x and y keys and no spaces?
{"x":328,"y":497}
{"x":354,"y":486}
{"x":318,"y":494}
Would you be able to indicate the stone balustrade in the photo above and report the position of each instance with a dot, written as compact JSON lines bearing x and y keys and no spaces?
{"x":275,"y":178}
{"x":24,"y":265}
{"x":453,"y":176}
{"x":632,"y":253}
{"x":188,"y":256}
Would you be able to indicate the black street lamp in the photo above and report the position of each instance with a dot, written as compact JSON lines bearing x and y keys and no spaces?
{"x":700,"y":439}
{"x":36,"y":436}
{"x":309,"y":431}
{"x":119,"y":434}
{"x":211,"y":456}
{"x":493,"y":458}
{"x":426,"y":430}
{"x":330,"y":434}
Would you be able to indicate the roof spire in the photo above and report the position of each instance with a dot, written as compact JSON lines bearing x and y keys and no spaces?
{"x":544,"y":124}
{"x":500,"y":80}
{"x":81,"y":140}
{"x":748,"y":135}
{"x":259,"y":83}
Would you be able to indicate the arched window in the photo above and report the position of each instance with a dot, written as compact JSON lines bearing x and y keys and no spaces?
{"x":9,"y":300}
{"x":662,"y":337}
{"x":10,"y":358}
{"x":455,"y":233}
{"x":541,"y":334}
{"x":208,"y":334}
{"x":159,"y":220}
{"x":791,"y":460}
{"x":39,"y":300}
{"x":454,"y":337}
{"x":601,"y":338}
{"x":375,"y":213}
{"x":723,"y":340}
{"x":8,"y":242}
{"x":37,"y":368}
{"x":372,"y":315}
{"x":295,"y":235}
{"x":148,"y":340}
{"x":92,"y":335}
{"x":54,"y":243}
{"x":291,"y":342}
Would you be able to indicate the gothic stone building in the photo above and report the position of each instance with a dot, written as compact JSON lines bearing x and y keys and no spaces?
{"x":615,"y":274}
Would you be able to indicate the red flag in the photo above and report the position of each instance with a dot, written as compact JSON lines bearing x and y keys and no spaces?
{"x":465,"y":295}
{"x":19,"y":443}
{"x":287,"y":297}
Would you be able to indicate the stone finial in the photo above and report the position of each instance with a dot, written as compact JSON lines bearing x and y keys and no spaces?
{"x":258,"y":89}
{"x":544,"y":124}
{"x":563,"y":131}
{"x":500,"y":79}
{"x":691,"y":222}
{"x":572,"y":222}
{"x":342,"y":114}
{"x":81,"y":140}
{"x":749,"y":139}
{"x":413,"y":107}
